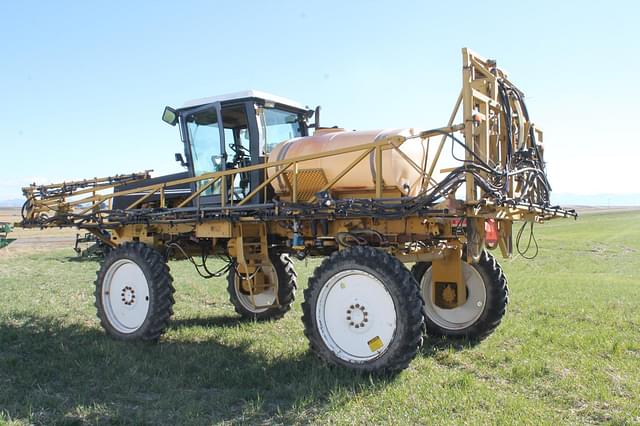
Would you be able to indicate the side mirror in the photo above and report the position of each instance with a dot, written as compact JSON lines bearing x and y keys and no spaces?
{"x":170,"y":116}
{"x":315,"y":113}
{"x":308,"y":114}
{"x":180,"y":160}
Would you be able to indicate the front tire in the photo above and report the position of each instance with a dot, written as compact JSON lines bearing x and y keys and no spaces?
{"x":487,"y":297}
{"x":134,"y":293}
{"x":362,"y":310}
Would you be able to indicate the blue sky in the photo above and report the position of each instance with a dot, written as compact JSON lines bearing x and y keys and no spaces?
{"x":83,"y":84}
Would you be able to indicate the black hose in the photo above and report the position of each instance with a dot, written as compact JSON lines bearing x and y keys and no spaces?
{"x":532,"y":238}
{"x":208,"y":274}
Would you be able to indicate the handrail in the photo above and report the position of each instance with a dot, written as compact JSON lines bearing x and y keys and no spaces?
{"x":391,"y":142}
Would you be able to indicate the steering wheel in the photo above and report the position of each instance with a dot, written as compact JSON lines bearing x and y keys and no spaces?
{"x":237,"y":148}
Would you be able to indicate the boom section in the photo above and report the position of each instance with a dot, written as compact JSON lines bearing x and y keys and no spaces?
{"x":480,"y":172}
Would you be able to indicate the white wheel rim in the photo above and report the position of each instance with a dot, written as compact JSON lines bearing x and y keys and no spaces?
{"x":356,"y":316}
{"x":462,"y":316}
{"x":265,"y":298}
{"x":125,"y":296}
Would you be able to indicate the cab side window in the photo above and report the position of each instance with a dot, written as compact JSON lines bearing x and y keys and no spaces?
{"x":278,"y":126}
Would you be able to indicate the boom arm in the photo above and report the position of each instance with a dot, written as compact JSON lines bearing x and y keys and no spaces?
{"x":502,"y":172}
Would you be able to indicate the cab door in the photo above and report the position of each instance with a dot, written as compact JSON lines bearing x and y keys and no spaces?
{"x":205,"y":143}
{"x":241,"y":140}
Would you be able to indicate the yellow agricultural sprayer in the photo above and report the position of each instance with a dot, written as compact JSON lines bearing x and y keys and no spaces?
{"x":263,"y":183}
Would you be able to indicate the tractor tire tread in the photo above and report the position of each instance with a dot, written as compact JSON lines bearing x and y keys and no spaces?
{"x":161,"y":289}
{"x":287,"y":286}
{"x":396,"y":358}
{"x":497,"y":293}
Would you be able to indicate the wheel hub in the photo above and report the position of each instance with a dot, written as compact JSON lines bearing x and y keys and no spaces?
{"x":264,"y":294}
{"x":128,"y":295}
{"x":356,"y":329}
{"x":456,"y":317}
{"x":357,"y":316}
{"x":125,"y":296}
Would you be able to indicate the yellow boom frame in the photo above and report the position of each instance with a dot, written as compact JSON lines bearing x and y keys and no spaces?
{"x":488,"y":135}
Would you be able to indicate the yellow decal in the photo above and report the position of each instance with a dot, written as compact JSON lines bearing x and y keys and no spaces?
{"x":375,"y":344}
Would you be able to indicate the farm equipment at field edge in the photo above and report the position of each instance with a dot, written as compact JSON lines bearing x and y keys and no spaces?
{"x":96,"y":249}
{"x":259,"y":188}
{"x":5,"y":228}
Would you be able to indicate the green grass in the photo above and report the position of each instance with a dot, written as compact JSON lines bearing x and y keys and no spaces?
{"x":568,"y":350}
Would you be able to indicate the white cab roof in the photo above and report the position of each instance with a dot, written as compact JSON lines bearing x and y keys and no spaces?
{"x":242,"y":95}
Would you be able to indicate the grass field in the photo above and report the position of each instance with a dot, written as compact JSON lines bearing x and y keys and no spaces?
{"x":568,"y":350}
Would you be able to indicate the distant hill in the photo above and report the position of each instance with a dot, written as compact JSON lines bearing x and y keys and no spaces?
{"x":14,"y":202}
{"x":604,"y":200}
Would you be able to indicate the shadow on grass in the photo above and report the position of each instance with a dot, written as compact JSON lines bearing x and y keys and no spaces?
{"x":221,"y":321}
{"x":433,"y":345}
{"x":52,"y":372}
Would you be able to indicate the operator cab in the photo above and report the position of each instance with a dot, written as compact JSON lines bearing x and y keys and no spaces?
{"x":234,"y":131}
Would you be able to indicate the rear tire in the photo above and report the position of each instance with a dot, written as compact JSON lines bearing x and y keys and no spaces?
{"x":487,"y":298}
{"x":363,"y":311}
{"x":285,"y":273}
{"x":134,"y":293}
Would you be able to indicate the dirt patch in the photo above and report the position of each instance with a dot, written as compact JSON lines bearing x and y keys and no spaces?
{"x":30,"y":240}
